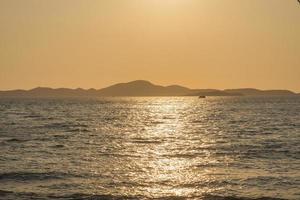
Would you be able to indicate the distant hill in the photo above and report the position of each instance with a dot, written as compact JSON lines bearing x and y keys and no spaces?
{"x":141,"y":88}
{"x":256,"y":92}
{"x":213,"y":92}
{"x":49,"y":92}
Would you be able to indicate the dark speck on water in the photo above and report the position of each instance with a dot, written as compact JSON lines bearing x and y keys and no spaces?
{"x":219,"y":148}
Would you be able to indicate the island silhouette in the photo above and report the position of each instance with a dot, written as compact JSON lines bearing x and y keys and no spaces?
{"x":141,"y":88}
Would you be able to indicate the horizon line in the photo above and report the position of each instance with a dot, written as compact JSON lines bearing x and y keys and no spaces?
{"x":92,"y":88}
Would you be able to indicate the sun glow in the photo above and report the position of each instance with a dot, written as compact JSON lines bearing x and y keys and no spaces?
{"x":165,"y":4}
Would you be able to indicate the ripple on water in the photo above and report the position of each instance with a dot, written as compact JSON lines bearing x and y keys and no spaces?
{"x":142,"y":148}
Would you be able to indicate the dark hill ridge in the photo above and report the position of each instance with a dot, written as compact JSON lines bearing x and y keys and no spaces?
{"x":256,"y":92}
{"x":213,"y":92}
{"x":48,"y":92}
{"x":140,"y":88}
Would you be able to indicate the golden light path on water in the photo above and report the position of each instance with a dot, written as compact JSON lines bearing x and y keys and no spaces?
{"x":165,"y":155}
{"x":170,"y":162}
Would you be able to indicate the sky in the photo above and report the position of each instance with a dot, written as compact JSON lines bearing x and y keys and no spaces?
{"x":196,"y":43}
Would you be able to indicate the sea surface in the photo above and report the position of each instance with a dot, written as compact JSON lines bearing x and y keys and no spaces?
{"x":150,"y":148}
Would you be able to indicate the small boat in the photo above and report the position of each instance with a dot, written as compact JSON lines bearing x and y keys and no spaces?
{"x":202,"y":97}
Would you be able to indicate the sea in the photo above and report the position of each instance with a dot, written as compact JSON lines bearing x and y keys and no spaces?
{"x":217,"y":148}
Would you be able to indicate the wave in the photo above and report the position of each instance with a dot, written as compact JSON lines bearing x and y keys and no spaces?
{"x":146,"y":141}
{"x":58,"y":146}
{"x":80,"y":130}
{"x":33,"y":116}
{"x":64,"y":125}
{"x":32,"y":176}
{"x":213,"y":197}
{"x":15,"y":140}
{"x":78,"y":196}
{"x":8,"y":195}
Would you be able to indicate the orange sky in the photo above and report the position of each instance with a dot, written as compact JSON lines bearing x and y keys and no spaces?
{"x":196,"y":43}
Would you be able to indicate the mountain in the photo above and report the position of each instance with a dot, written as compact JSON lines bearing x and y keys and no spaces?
{"x":48,"y":92}
{"x":213,"y":92}
{"x":140,"y":88}
{"x":134,"y":88}
{"x":256,"y":92}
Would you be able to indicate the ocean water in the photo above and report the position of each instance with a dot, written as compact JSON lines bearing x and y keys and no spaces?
{"x":150,"y":148}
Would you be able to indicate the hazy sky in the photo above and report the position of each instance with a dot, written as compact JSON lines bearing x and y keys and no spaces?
{"x":196,"y":43}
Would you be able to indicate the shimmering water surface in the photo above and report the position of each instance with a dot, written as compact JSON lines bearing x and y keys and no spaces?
{"x":169,"y":147}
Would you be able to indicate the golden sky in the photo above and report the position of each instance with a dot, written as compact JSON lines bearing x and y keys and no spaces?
{"x":196,"y":43}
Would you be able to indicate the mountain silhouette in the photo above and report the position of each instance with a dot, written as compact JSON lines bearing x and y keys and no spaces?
{"x":141,"y":88}
{"x":256,"y":92}
{"x":213,"y":92}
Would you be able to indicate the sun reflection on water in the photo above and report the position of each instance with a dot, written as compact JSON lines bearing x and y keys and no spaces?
{"x":169,"y":164}
{"x":165,"y":150}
